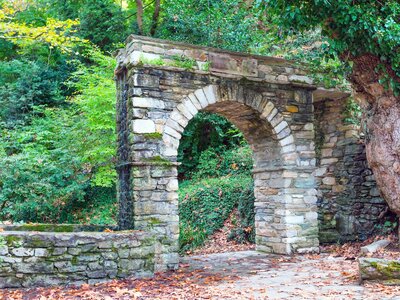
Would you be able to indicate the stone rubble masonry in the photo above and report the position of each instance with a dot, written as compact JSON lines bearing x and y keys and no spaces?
{"x":30,"y":259}
{"x":311,"y":178}
{"x":269,"y":99}
{"x":350,"y":205}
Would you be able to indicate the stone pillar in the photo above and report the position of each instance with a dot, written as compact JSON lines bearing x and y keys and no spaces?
{"x":148,"y":181}
{"x":155,"y":201}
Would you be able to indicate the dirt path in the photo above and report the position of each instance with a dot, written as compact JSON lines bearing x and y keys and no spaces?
{"x":233,"y":275}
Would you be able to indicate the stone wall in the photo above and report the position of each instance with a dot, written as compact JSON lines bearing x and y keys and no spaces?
{"x":350,"y":205}
{"x":29,"y":259}
{"x":161,"y":87}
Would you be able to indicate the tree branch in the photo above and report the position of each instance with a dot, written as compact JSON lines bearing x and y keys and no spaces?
{"x":139,"y":15}
{"x":156,"y":15}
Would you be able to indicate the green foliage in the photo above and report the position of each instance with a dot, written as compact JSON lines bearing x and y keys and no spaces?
{"x":234,"y":161}
{"x":231,"y":24}
{"x":245,"y":230}
{"x":177,"y":61}
{"x":352,"y":29}
{"x":205,"y":131}
{"x":100,"y":207}
{"x":57,"y":139}
{"x":184,"y":62}
{"x":94,"y":133}
{"x":388,"y":227}
{"x":103,"y":23}
{"x":205,"y":205}
{"x":38,"y":186}
{"x":25,"y":87}
{"x":352,"y":113}
{"x":156,"y":61}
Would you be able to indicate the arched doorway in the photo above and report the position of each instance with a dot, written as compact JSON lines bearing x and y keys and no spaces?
{"x":216,"y":189}
{"x":285,"y":221}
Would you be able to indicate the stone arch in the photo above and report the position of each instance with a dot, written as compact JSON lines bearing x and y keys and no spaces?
{"x":285,"y":222}
{"x":204,"y":97}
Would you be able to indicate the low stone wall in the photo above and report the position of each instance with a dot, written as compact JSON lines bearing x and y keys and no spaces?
{"x":29,"y":259}
{"x":56,"y":227}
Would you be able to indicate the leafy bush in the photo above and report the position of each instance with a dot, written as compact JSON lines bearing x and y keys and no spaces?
{"x":50,"y":166}
{"x":206,"y":131}
{"x":103,"y":23}
{"x":229,"y":162}
{"x":100,"y":207}
{"x":229,"y":24}
{"x":26,"y":86}
{"x":38,"y":187}
{"x":205,"y":205}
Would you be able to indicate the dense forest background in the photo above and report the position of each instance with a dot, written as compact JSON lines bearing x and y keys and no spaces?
{"x":57,"y":107}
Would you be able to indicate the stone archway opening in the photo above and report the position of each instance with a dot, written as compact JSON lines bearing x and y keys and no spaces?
{"x":267,"y":164}
{"x":281,"y":213}
{"x":216,"y":189}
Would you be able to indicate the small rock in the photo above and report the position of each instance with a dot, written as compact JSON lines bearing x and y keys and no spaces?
{"x":375,"y":246}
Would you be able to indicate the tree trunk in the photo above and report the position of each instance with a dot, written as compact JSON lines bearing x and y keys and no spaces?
{"x":139,"y":16}
{"x":382,"y":120}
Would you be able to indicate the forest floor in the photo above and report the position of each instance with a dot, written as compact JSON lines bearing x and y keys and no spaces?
{"x":240,"y":275}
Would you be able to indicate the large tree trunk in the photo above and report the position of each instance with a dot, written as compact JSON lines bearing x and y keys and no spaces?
{"x":382,"y":118}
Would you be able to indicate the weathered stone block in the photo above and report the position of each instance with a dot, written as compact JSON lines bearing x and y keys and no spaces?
{"x":143,"y":126}
{"x":23,"y":252}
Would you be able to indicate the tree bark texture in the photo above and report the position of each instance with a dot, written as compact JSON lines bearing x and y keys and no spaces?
{"x":382,"y":125}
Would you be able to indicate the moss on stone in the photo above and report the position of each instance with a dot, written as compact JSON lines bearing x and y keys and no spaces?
{"x":153,"y":136}
{"x":390,"y":270}
{"x":159,"y":160}
{"x":3,"y":241}
{"x":64,"y":228}
{"x":206,"y":66}
{"x":14,"y":241}
{"x":36,"y":242}
{"x":46,"y":227}
{"x":154,"y":221}
{"x":74,"y":261}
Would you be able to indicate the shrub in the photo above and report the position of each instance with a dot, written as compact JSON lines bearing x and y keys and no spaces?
{"x":235,"y":161}
{"x":206,"y":131}
{"x":25,"y":86}
{"x":205,"y":205}
{"x":38,"y":187}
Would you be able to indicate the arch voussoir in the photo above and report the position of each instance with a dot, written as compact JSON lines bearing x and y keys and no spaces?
{"x":201,"y":97}
{"x":211,"y":93}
